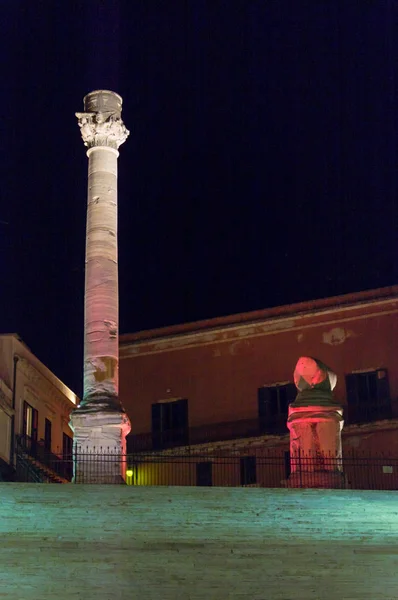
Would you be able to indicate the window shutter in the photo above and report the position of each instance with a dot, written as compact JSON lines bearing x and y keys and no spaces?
{"x":383,"y":387}
{"x":264,"y":403}
{"x":156,"y":418}
{"x":35,"y":424}
{"x":351,"y":388}
{"x":25,"y":419}
{"x":287,"y":394}
{"x":291,"y":391}
{"x":157,"y":438}
{"x":179,"y":419}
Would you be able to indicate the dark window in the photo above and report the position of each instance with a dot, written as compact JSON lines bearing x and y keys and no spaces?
{"x":170,"y":423}
{"x":204,"y":473}
{"x":248,"y":473}
{"x":30,"y":422}
{"x":368,"y":396}
{"x":67,"y":446}
{"x":273,"y":403}
{"x":67,"y":450}
{"x":47,"y":435}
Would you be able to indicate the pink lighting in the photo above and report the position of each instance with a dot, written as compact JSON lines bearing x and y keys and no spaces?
{"x":310,"y":372}
{"x":315,"y":422}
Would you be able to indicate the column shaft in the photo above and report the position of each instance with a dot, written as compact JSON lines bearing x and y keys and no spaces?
{"x":101,"y":344}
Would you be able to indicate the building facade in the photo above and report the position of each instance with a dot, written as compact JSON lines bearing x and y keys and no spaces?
{"x":34,"y":412}
{"x":227,"y":382}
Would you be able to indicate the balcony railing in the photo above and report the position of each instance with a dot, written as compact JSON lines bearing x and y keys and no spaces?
{"x":217,"y":432}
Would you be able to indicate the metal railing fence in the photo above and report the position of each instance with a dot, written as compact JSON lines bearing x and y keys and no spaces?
{"x":254,"y":467}
{"x":263,"y":469}
{"x":248,"y":468}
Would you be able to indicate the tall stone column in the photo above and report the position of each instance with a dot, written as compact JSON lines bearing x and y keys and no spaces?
{"x":100,"y":423}
{"x":315,"y":422}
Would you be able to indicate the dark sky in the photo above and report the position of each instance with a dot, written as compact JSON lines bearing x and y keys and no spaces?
{"x":261,"y":168}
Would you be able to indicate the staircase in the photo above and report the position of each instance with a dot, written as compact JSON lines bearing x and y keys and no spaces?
{"x":30,"y":469}
{"x":34,"y":465}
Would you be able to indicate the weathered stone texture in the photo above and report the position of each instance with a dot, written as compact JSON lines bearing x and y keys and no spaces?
{"x":120,"y":542}
{"x":103,"y":132}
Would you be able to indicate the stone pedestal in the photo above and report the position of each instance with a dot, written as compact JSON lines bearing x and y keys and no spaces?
{"x":315,"y":446}
{"x":99,"y":446}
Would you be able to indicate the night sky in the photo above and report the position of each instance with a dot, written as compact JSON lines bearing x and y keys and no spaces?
{"x":261,"y":168}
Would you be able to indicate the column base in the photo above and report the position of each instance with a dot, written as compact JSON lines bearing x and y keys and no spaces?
{"x":99,"y":445}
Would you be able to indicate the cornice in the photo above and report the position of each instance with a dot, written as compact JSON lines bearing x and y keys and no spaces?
{"x":239,"y":332}
{"x":313,"y":307}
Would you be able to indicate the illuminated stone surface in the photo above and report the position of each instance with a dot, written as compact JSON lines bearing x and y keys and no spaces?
{"x":103,"y":132}
{"x":98,"y":432}
{"x":314,"y":381}
{"x":315,"y":422}
{"x":105,"y":542}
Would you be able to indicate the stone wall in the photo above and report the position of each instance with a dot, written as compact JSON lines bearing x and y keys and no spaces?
{"x":120,"y":542}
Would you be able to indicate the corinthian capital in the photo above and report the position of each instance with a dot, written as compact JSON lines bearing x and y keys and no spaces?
{"x":102,"y":129}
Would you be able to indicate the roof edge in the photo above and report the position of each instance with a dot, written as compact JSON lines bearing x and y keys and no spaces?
{"x":286,"y":310}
